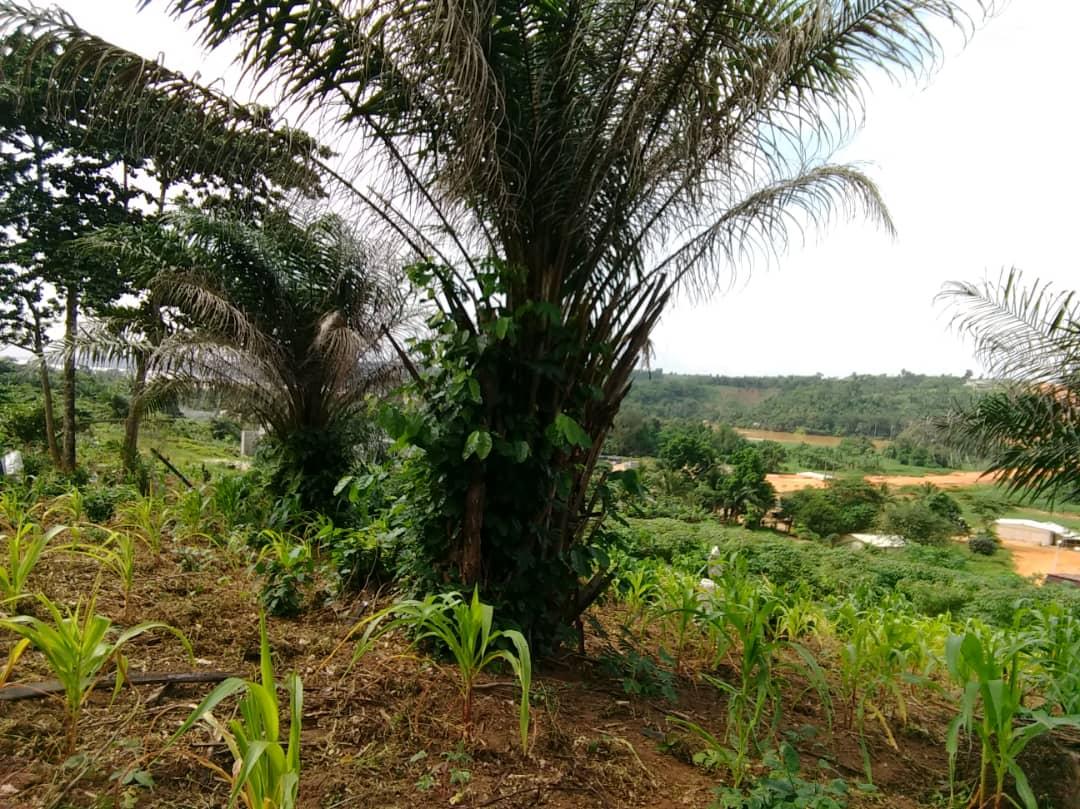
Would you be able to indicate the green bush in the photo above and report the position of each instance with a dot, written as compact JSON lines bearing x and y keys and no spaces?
{"x":983,"y":544}
{"x":100,"y":503}
{"x":933,"y":579}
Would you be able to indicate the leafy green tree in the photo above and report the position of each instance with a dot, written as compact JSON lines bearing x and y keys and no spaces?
{"x":1028,"y":335}
{"x":843,"y":507}
{"x":744,"y":484}
{"x":77,"y":169}
{"x":916,"y":521}
{"x":773,"y":455}
{"x":634,"y":433}
{"x":60,"y":182}
{"x":687,"y":448}
{"x":568,"y":169}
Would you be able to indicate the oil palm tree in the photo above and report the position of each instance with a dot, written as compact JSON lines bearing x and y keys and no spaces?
{"x":1027,"y":335}
{"x":561,"y":170}
{"x":291,"y":321}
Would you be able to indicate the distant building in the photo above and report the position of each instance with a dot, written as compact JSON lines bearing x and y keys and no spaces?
{"x":1033,"y":532}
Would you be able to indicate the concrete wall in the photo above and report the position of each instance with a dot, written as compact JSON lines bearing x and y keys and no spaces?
{"x":1029,"y":535}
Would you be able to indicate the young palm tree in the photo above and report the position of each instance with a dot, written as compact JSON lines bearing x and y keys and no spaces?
{"x":561,"y":170}
{"x":290,"y":320}
{"x":1028,"y":335}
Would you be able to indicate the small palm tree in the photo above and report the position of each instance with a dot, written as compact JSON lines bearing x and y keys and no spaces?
{"x":1029,"y":427}
{"x":292,"y":321}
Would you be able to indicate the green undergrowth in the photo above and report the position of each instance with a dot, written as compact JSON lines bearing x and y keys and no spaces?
{"x":936,"y":580}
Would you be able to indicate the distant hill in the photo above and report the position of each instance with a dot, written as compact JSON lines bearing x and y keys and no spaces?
{"x":868,"y":405}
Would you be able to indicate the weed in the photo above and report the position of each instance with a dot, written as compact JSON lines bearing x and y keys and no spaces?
{"x":784,"y":788}
{"x":288,"y":566}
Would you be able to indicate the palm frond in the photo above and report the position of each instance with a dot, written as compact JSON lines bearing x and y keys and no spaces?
{"x":1032,"y":436}
{"x":1020,"y":331}
{"x":153,"y":112}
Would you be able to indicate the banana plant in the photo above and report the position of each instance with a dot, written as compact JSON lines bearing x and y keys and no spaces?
{"x":77,"y":648}
{"x":266,"y":766}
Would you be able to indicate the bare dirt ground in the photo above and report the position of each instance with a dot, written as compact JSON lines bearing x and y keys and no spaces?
{"x":388,"y":734}
{"x":950,"y":480}
{"x":1033,"y":560}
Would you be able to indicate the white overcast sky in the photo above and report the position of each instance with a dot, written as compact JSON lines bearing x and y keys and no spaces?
{"x":979,"y":166}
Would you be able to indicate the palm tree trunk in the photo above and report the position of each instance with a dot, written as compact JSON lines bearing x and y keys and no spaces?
{"x":71,"y":324}
{"x":46,"y":387}
{"x":129,"y":453}
{"x":472,"y":526}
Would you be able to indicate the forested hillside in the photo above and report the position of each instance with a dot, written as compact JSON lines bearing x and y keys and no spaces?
{"x":873,"y":406}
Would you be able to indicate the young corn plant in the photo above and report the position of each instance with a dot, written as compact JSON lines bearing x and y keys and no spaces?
{"x":77,"y":648}
{"x":742,"y":614}
{"x":991,"y":669}
{"x":465,"y":629}
{"x":678,"y":608}
{"x":69,"y":507}
{"x":117,"y":553}
{"x":639,"y":589}
{"x":745,"y":613}
{"x":266,"y":765}
{"x":1055,"y":632}
{"x":190,"y":514}
{"x":879,"y":654}
{"x":149,"y":516}
{"x":24,"y":544}
{"x":15,"y":508}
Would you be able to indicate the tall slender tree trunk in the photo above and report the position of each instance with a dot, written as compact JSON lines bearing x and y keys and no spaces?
{"x":71,"y":325}
{"x":46,"y":387}
{"x":129,"y":453}
{"x":472,"y":526}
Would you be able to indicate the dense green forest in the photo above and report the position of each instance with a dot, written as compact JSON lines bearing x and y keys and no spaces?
{"x":876,"y":406}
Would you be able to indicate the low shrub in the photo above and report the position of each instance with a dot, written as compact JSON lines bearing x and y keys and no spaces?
{"x":983,"y":544}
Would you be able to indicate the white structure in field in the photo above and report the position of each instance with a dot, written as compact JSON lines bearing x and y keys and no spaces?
{"x":1033,"y":532}
{"x":249,"y":441}
{"x":884,"y":541}
{"x":814,"y":475}
{"x":12,"y":463}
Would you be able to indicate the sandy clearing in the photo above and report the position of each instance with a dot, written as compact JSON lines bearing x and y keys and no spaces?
{"x":1035,"y":560}
{"x":950,"y":480}
{"x":793,"y":483}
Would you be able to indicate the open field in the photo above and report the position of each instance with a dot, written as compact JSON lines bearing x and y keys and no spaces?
{"x":1034,"y":560}
{"x":799,"y":438}
{"x":786,"y":482}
